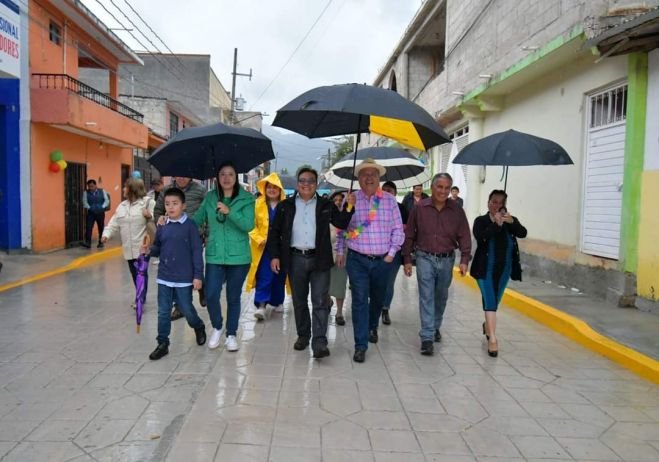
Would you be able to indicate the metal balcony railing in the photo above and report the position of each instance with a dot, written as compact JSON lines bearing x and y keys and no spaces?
{"x":66,"y":82}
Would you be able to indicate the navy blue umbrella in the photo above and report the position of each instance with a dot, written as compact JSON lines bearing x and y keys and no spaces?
{"x":198,"y":152}
{"x":513,"y":148}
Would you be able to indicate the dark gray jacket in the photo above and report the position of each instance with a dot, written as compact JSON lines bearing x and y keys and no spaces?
{"x":194,"y":195}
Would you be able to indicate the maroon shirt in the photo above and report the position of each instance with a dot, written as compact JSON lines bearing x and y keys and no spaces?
{"x":437,"y":231}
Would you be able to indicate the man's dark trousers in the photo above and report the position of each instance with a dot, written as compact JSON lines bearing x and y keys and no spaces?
{"x":99,"y":219}
{"x":302,"y":274}
{"x":368,"y":279}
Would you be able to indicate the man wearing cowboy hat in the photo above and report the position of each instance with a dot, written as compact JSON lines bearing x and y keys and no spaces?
{"x":374,"y":236}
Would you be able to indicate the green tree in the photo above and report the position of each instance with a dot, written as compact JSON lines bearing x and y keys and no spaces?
{"x":343,"y":148}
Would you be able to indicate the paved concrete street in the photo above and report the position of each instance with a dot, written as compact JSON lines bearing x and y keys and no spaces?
{"x":76,"y":384}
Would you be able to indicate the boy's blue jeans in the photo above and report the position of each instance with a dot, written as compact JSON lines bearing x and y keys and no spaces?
{"x":184,"y":299}
{"x":216,"y":275}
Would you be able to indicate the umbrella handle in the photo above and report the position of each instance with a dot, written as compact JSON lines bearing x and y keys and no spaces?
{"x":354,"y":162}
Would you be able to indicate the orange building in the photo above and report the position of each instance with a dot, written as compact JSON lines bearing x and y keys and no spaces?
{"x":95,"y":133}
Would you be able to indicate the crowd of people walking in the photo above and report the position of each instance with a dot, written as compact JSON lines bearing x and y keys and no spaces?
{"x":308,"y":244}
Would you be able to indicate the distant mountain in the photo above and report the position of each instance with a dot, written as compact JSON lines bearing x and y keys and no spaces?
{"x":293,"y":150}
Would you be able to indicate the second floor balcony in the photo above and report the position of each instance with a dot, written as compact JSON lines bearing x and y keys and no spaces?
{"x":64,"y":102}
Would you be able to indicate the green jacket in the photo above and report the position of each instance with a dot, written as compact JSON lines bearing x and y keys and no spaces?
{"x":228,"y":240}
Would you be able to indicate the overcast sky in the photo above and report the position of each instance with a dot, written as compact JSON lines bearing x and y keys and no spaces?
{"x":350,"y":42}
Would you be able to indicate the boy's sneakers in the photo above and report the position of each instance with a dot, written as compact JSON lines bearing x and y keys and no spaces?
{"x":259,"y":314}
{"x":200,"y":333}
{"x":278,"y":309}
{"x":231,"y":343}
{"x":161,"y":350}
{"x":214,"y":342}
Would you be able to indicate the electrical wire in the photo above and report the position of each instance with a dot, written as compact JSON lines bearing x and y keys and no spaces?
{"x":154,"y":32}
{"x":292,"y":54}
{"x":139,"y":41}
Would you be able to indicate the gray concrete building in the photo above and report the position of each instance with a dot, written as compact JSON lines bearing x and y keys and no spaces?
{"x":482,"y":67}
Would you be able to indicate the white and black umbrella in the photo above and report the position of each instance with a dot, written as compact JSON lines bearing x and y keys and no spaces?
{"x":403,"y":168}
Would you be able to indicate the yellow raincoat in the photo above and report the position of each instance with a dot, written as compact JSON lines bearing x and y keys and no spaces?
{"x":259,"y":235}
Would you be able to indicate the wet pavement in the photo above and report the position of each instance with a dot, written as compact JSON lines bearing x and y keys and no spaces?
{"x":76,"y":384}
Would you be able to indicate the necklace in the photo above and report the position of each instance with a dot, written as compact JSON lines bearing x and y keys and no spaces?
{"x":372,"y":213}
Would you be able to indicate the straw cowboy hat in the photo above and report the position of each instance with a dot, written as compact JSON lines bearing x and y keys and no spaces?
{"x":370,"y":163}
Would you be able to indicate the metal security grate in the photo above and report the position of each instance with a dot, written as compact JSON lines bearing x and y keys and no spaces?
{"x":608,"y":107}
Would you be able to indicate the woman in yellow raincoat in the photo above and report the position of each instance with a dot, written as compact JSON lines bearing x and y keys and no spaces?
{"x":269,"y":286}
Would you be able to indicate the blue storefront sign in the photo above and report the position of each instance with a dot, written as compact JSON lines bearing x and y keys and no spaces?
{"x":10,"y":156}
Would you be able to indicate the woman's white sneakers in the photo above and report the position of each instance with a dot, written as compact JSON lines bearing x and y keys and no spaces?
{"x":214,"y":341}
{"x":259,"y":314}
{"x":231,"y":343}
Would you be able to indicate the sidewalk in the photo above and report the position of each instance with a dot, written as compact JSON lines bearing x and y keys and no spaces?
{"x":636,"y":329}
{"x":19,"y":267}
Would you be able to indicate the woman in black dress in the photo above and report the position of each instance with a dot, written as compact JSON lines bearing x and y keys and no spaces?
{"x":496,"y":259}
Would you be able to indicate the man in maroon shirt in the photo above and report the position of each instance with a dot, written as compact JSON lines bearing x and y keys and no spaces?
{"x":435,"y":228}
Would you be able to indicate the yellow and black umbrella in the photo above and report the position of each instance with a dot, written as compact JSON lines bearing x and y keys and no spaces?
{"x":353,"y":108}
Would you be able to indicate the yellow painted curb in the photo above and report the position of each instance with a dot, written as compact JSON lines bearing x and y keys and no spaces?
{"x":577,"y":330}
{"x":75,"y":264}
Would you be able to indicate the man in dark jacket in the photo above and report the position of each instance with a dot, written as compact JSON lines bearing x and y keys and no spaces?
{"x":94,"y":201}
{"x":412,"y":197}
{"x":299,"y":242}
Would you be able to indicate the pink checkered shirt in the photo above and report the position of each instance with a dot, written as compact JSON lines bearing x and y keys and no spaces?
{"x":383,"y":236}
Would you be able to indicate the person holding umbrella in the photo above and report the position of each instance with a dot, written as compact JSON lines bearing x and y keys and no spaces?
{"x":270,"y":287}
{"x":496,"y":259}
{"x":338,"y":274}
{"x":228,"y":213}
{"x":178,"y":244}
{"x":299,"y":242}
{"x":390,"y":187}
{"x":374,"y":236}
{"x":435,"y":228}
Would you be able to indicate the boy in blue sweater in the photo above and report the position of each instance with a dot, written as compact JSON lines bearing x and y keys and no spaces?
{"x":179,"y":247}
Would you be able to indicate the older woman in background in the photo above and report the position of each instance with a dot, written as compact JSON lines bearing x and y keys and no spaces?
{"x":130,"y":221}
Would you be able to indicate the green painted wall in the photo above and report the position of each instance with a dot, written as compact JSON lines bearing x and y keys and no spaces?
{"x":637,"y":91}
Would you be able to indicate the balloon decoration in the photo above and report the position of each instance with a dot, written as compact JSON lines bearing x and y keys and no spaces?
{"x":57,"y":162}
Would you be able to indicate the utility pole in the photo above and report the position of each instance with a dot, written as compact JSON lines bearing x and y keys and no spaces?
{"x":233,"y":83}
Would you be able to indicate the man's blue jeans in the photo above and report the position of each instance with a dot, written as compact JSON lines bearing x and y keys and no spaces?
{"x":183,"y":296}
{"x":216,"y":275}
{"x":368,"y":281}
{"x":434,"y":276}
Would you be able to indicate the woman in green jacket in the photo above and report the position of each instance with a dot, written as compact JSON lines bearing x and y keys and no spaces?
{"x":228,"y":213}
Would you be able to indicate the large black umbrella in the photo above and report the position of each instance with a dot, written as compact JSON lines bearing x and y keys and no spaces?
{"x":198,"y":152}
{"x":513,"y":148}
{"x":403,"y":168}
{"x":353,"y":108}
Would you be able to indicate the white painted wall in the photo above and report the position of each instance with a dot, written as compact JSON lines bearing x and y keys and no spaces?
{"x":548,"y":200}
{"x":652,"y":117}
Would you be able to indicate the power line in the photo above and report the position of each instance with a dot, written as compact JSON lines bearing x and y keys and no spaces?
{"x":103,"y":65}
{"x":153,"y":32}
{"x":292,"y":54}
{"x":182,"y":66}
{"x":138,"y":40}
